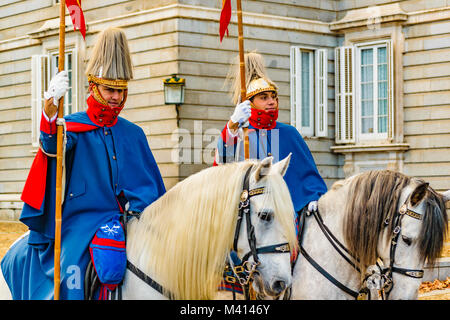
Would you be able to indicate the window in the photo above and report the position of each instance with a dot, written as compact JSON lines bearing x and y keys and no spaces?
{"x":69,"y":66}
{"x":309,"y":91}
{"x":364,"y":92}
{"x":373,"y":88}
{"x":43,"y":68}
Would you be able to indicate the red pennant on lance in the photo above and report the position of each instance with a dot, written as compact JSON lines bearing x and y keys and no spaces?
{"x":225,"y":17}
{"x":76,"y":13}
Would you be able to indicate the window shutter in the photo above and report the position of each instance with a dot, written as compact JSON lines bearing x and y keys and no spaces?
{"x":391,"y":109}
{"x":39,"y":75}
{"x":296,"y":88}
{"x":293,"y":87}
{"x":345,"y":112}
{"x":321,"y":112}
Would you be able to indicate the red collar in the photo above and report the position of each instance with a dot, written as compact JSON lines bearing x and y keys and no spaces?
{"x":102,"y":115}
{"x":261,"y":119}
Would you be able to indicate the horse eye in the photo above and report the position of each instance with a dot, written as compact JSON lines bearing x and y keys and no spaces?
{"x":407,"y":240}
{"x":265,"y":215}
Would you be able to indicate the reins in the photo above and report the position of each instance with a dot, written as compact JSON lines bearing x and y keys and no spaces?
{"x":330,"y":238}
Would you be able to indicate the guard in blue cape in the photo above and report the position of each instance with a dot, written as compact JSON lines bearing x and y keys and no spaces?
{"x":267,"y":136}
{"x":109,"y":169}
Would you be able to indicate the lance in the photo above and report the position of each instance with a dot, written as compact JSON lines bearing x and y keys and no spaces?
{"x":242,"y":73}
{"x":59,"y":158}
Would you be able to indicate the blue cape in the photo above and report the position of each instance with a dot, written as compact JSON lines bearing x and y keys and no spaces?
{"x":302,"y":177}
{"x":104,"y":166}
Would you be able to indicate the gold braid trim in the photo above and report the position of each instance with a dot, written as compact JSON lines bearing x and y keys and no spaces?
{"x":255,"y":92}
{"x":98,"y":96}
{"x":115,"y":84}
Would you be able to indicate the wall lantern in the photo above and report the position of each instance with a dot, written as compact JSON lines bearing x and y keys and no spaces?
{"x":174,"y":90}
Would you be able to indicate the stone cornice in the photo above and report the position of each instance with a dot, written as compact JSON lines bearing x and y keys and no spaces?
{"x":51,"y":27}
{"x":430,"y":15}
{"x":397,"y":147}
{"x":370,"y":17}
{"x":390,"y":13}
{"x":366,"y":17}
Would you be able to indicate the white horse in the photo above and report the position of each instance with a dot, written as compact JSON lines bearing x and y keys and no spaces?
{"x":381,"y":216}
{"x":182,"y":241}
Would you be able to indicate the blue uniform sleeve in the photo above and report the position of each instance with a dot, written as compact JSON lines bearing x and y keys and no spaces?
{"x":48,"y":136}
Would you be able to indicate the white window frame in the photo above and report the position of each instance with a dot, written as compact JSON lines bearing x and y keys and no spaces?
{"x":373,"y":46}
{"x":74,"y":77}
{"x":348,"y":94}
{"x":318,"y":77}
{"x":43,"y":69}
{"x":39,"y":76}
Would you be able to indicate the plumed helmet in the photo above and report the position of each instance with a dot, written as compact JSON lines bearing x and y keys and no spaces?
{"x":256,"y":77}
{"x":110,"y":63}
{"x":259,"y":85}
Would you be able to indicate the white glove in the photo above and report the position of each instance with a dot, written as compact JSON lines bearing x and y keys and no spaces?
{"x":313,"y":206}
{"x":241,"y":113}
{"x":58,"y":87}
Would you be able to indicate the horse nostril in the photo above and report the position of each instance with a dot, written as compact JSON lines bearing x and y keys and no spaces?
{"x":279,"y":286}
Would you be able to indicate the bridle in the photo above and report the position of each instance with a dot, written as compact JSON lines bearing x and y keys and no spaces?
{"x":386,"y":273}
{"x":242,"y":270}
{"x":379,"y":277}
{"x":236,"y":270}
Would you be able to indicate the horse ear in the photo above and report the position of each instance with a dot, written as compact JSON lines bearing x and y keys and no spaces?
{"x":282,"y":166}
{"x":446,"y":195}
{"x":263,"y":168}
{"x":418,"y":193}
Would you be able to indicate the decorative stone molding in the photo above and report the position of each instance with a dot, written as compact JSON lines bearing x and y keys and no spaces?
{"x":51,"y":27}
{"x":371,"y":148}
{"x":359,"y":158}
{"x":371,"y":16}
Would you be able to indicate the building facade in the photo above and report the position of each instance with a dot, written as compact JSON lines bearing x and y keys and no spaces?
{"x":367,"y":83}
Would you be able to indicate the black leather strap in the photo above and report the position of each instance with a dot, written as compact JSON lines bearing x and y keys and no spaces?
{"x":327,"y":275}
{"x":152,"y":283}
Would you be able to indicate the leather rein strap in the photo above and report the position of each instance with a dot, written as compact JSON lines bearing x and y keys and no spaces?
{"x":152,"y":283}
{"x":330,"y":236}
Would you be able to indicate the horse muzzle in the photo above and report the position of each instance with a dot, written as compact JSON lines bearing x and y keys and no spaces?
{"x":273,"y":288}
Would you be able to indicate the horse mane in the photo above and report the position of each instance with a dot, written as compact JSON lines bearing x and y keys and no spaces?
{"x":434,"y":227}
{"x":183,"y":238}
{"x":374,"y":197}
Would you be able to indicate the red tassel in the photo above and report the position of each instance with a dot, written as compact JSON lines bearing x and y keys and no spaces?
{"x":104,"y":288}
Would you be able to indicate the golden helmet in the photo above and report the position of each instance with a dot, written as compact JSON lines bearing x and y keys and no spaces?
{"x":259,"y":85}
